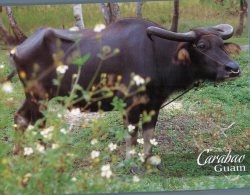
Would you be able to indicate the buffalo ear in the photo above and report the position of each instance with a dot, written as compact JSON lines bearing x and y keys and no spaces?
{"x":182,"y":55}
{"x":232,"y":48}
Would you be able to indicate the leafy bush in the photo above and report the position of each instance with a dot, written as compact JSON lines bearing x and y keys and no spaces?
{"x":67,"y":158}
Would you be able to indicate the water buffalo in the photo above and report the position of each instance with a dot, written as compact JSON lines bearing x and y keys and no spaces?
{"x":172,"y":61}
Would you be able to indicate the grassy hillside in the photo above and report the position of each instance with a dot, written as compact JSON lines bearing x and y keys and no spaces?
{"x":215,"y":116}
{"x":181,"y":134}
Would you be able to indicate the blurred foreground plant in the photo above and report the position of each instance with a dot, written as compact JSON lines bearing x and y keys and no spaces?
{"x":51,"y":161}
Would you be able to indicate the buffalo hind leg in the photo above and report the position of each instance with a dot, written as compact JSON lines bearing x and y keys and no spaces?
{"x":21,"y":120}
{"x":22,"y":117}
{"x":28,"y":114}
{"x":37,"y":115}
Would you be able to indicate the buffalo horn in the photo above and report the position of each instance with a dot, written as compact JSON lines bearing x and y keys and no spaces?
{"x":165,"y":34}
{"x":226,"y":31}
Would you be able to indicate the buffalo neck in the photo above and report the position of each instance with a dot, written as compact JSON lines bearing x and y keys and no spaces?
{"x":171,"y":77}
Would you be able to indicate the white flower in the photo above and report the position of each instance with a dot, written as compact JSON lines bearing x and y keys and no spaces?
{"x":26,"y":178}
{"x":62,"y":69}
{"x":13,"y":51}
{"x":141,"y":156}
{"x":15,"y":125}
{"x":34,"y":133}
{"x":28,"y":151}
{"x":55,"y":146}
{"x":30,"y":127}
{"x":59,"y":115}
{"x":99,"y":27}
{"x":95,"y":154}
{"x":136,"y":179}
{"x":75,"y":112}
{"x":155,"y":160}
{"x":70,"y":154}
{"x":48,"y":130}
{"x":74,"y":28}
{"x":131,"y":128}
{"x":40,"y":148}
{"x":154,"y":142}
{"x":106,"y":172}
{"x":47,"y":133}
{"x":140,"y":141}
{"x":63,"y":131}
{"x":132,"y":151}
{"x":94,"y":141}
{"x":7,"y":87}
{"x":2,"y":66}
{"x":73,"y":179}
{"x":48,"y":136}
{"x":112,"y":147}
{"x":138,"y":80}
{"x":28,"y":175}
{"x":74,"y":76}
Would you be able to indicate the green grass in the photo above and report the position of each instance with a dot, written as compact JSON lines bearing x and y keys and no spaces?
{"x":240,"y":41}
{"x":206,"y":111}
{"x":181,"y":133}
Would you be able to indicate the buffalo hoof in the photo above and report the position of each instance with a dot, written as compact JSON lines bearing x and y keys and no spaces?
{"x":21,"y":123}
{"x":16,"y":149}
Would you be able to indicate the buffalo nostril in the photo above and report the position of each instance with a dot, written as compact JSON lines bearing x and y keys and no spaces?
{"x":232,"y":66}
{"x":233,"y":69}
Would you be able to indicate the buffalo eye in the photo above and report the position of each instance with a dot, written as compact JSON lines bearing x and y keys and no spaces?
{"x":201,"y":46}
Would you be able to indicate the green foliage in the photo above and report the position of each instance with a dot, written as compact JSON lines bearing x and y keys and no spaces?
{"x":81,"y":61}
{"x":65,"y":157}
{"x":119,"y":104}
{"x":66,"y":166}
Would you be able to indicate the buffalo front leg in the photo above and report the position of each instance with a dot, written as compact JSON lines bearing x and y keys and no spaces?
{"x":131,"y":123}
{"x":148,"y":135}
{"x":131,"y":141}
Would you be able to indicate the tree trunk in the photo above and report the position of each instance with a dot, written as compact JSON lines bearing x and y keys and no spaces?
{"x":139,"y":8}
{"x":114,"y":11}
{"x":111,"y":12}
{"x":105,"y":13}
{"x":77,"y":9}
{"x":15,"y":28}
{"x":175,"y":19}
{"x":243,"y":12}
{"x":5,"y":36}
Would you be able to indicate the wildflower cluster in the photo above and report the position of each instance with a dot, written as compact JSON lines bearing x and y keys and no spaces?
{"x":70,"y":147}
{"x":61,"y":69}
